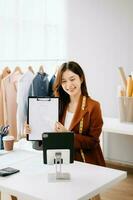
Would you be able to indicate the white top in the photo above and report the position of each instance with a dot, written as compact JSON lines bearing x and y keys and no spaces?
{"x":69,"y":116}
{"x":31,"y":183}
{"x":22,"y":101}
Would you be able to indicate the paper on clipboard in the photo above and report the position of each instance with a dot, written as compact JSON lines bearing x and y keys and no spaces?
{"x":42,"y":115}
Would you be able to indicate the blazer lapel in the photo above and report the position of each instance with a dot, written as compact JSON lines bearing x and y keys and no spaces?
{"x":78,"y":114}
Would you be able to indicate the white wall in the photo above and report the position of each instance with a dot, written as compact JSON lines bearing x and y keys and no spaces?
{"x":100,"y":38}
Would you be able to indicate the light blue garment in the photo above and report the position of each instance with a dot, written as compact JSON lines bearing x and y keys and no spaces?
{"x":39,"y":86}
{"x":51,"y":83}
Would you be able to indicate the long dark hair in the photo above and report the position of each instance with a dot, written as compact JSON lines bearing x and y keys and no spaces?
{"x":58,"y":90}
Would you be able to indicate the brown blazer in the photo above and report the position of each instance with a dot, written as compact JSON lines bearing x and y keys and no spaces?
{"x":88,"y":141}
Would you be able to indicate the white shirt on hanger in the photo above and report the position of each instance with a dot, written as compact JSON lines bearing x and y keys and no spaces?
{"x":22,"y":101}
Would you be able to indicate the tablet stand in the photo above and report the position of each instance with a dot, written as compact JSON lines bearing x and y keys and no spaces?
{"x":58,"y":175}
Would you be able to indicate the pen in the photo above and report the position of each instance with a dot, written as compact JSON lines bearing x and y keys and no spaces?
{"x":5,"y":129}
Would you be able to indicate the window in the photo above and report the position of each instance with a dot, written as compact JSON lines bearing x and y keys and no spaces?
{"x":32,"y":32}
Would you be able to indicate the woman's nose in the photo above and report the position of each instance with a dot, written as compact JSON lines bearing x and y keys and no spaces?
{"x":68,"y":85}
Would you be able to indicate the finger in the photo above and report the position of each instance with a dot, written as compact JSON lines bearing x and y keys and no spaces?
{"x":59,"y":124}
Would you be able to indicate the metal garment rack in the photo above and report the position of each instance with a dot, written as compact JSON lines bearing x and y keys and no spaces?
{"x":32,"y":60}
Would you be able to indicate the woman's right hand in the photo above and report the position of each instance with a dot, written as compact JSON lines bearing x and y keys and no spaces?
{"x":27,"y":129}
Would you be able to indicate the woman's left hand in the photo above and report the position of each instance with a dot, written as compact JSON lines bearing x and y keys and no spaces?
{"x":59,"y":127}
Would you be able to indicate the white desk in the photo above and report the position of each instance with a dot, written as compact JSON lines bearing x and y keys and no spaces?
{"x":113,"y":125}
{"x":31,"y":183}
{"x":115,"y":148}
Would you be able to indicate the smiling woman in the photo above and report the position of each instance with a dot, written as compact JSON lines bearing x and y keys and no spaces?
{"x":79,"y":113}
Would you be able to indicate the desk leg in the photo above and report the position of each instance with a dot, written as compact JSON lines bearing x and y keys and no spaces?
{"x":13,"y":198}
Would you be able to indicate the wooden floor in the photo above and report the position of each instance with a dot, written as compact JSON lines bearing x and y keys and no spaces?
{"x":122,"y":190}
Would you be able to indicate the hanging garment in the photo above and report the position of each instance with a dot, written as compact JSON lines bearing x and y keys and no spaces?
{"x":40,"y":85}
{"x":5,"y":73}
{"x":22,"y":101}
{"x":9,"y":90}
{"x":51,"y":83}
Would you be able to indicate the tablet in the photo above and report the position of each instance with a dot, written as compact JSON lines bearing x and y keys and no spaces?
{"x":58,"y":143}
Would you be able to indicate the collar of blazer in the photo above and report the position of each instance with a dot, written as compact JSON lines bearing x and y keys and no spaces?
{"x":78,"y":114}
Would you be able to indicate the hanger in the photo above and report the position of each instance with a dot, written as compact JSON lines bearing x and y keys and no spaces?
{"x":41,"y":69}
{"x":18,"y":69}
{"x":6,"y":71}
{"x":31,"y":69}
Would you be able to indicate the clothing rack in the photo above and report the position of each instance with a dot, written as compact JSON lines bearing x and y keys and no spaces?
{"x":32,"y":60}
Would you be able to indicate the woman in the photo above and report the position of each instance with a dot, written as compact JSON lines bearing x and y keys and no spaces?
{"x":79,"y":113}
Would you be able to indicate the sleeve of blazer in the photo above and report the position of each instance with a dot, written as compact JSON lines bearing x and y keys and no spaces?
{"x":91,"y":137}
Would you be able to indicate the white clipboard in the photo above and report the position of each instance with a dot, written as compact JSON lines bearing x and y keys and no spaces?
{"x":43,"y":112}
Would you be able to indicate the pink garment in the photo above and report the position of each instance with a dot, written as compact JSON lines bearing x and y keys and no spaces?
{"x":9,"y":89}
{"x":5,"y":72}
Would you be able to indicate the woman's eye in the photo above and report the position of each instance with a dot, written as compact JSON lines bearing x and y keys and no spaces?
{"x":63,"y":81}
{"x":72,"y":79}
